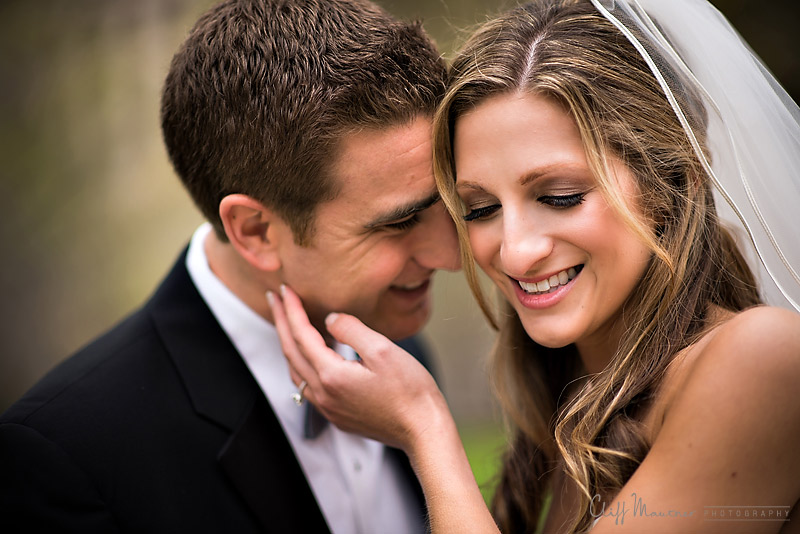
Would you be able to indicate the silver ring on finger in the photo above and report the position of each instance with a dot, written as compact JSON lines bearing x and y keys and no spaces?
{"x":297,"y":397}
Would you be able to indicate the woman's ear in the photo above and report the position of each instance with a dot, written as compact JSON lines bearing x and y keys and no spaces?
{"x":253,"y":230}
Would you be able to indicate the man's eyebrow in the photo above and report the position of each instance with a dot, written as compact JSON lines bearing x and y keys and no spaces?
{"x":403,"y":212}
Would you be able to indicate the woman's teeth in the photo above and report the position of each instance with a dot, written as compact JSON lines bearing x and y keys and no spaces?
{"x":550,"y":284}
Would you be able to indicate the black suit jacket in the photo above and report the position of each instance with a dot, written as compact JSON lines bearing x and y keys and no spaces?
{"x":157,"y":426}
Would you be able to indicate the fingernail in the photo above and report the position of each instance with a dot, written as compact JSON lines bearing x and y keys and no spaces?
{"x":331,"y":318}
{"x":283,"y":290}
{"x":271,"y":299}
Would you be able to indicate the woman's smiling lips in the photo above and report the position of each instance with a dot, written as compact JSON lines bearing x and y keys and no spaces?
{"x":545,"y":291}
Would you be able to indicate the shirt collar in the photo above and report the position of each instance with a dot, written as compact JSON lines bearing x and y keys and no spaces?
{"x":254,"y":337}
{"x":251,"y":334}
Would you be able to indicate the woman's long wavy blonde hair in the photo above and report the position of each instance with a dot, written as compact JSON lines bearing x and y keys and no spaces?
{"x":565,"y":50}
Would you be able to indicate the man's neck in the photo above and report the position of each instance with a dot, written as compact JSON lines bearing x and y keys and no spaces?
{"x":246,"y":282}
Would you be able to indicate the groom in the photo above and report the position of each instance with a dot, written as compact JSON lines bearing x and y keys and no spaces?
{"x":302,"y":131}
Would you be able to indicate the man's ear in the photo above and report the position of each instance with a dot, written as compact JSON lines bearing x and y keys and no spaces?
{"x":253,"y":230}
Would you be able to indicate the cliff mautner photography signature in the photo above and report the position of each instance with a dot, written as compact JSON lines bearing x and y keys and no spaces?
{"x":637,"y":507}
{"x":746,"y":513}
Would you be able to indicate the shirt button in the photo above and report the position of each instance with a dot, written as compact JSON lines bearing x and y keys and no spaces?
{"x":357,"y":466}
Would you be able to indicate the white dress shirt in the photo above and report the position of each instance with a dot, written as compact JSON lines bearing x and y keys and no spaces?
{"x":357,"y":487}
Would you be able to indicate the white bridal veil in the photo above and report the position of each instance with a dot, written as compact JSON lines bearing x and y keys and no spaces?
{"x":753,"y":127}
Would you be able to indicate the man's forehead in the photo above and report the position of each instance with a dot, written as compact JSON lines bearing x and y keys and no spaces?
{"x":382,"y":174}
{"x":373,"y":149}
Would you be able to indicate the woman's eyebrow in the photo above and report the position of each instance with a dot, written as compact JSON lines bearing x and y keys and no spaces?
{"x":469,"y":185}
{"x":569,"y":168}
{"x":560,"y":168}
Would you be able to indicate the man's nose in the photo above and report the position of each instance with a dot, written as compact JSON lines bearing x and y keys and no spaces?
{"x":437,"y":243}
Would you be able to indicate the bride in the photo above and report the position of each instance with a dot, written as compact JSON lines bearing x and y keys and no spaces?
{"x":625,"y":172}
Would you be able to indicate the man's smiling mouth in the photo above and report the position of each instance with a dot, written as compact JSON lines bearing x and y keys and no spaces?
{"x":412,"y":286}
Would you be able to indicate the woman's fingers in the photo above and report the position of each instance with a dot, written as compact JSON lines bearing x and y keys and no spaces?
{"x":304,"y":347}
{"x":299,"y":368}
{"x":386,"y":397}
{"x":296,"y":377}
{"x":368,"y":343}
{"x":307,"y":339}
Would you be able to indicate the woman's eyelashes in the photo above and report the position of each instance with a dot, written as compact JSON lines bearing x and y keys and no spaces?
{"x":562,"y":201}
{"x":481,"y":213}
{"x":478,"y":213}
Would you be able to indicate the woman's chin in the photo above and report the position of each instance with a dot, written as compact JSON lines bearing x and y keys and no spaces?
{"x":553,"y":340}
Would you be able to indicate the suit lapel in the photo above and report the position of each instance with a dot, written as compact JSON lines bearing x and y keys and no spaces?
{"x":257,"y":458}
{"x":249,"y":460}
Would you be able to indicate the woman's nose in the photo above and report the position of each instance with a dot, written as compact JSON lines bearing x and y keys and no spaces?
{"x":523,"y":246}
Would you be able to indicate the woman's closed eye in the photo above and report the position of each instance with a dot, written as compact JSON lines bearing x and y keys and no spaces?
{"x":556,"y":201}
{"x":481,"y":212}
{"x":562,"y":201}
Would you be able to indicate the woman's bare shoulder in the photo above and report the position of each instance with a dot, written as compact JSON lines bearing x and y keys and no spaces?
{"x":756,"y":350}
{"x":729,"y":434}
{"x":764,"y":336}
{"x":759,"y":342}
{"x":740,"y":392}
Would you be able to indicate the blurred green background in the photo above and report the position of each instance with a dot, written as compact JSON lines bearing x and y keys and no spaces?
{"x":93,"y":216}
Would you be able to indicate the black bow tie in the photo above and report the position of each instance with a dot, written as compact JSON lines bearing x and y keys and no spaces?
{"x":314,"y":422}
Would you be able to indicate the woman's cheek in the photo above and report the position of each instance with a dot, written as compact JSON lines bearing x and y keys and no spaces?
{"x":485,"y":245}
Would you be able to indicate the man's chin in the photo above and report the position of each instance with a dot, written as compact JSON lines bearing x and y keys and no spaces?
{"x":395,"y":326}
{"x":404,"y":326}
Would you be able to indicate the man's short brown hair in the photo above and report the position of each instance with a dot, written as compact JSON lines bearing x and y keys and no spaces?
{"x":259,"y":92}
